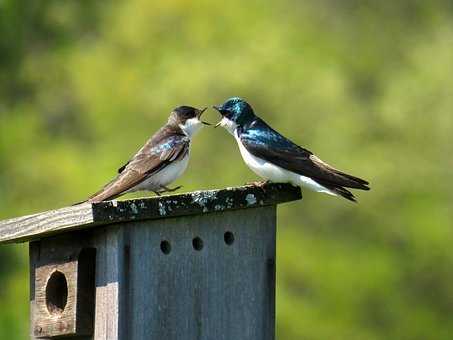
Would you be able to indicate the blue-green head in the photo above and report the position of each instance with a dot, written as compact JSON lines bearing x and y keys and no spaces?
{"x":235,"y":110}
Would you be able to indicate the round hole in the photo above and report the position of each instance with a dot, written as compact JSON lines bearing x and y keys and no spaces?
{"x":197,"y":243}
{"x":228,"y":238}
{"x":165,"y":247}
{"x":56,"y":293}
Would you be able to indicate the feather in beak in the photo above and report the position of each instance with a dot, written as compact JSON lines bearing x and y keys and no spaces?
{"x":218,"y":109}
{"x":199,"y":116}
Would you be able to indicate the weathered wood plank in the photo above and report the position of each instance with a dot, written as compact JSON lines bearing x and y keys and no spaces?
{"x":222,"y":287}
{"x":62,"y":287}
{"x":111,"y":283}
{"x":87,"y":215}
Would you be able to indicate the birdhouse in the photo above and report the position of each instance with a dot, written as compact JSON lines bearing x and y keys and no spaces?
{"x":199,"y":265}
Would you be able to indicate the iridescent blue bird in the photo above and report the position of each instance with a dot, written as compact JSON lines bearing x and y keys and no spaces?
{"x":162,"y":159}
{"x":275,"y":158}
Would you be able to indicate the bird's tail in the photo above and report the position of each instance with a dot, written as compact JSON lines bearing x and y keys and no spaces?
{"x":338,"y":178}
{"x":358,"y":183}
{"x":81,"y":202}
{"x":343,"y":193}
{"x":339,"y":190}
{"x":97,"y":198}
{"x":108,"y":192}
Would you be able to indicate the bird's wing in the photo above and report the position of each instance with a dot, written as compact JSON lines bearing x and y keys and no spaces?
{"x":120,"y":170}
{"x":264,"y":142}
{"x":148,"y":161}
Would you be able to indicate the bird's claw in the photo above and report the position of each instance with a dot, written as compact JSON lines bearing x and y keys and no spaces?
{"x":166,"y":189}
{"x":259,"y":184}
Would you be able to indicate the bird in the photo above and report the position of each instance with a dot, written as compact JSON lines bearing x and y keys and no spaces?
{"x":277,"y":159}
{"x":162,"y":159}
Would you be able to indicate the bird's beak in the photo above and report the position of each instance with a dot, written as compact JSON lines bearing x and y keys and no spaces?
{"x":199,"y":116}
{"x":218,"y":109}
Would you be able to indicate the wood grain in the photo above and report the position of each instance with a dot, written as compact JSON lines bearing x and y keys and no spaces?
{"x":88,"y":215}
{"x":219,"y":290}
{"x":57,"y":311}
{"x":111,"y":283}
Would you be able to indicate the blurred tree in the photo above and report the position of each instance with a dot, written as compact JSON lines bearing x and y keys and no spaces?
{"x":365,"y":84}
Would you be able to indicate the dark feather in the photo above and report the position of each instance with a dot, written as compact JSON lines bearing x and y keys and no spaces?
{"x":167,"y":145}
{"x":120,"y":170}
{"x":339,"y":191}
{"x":264,"y":142}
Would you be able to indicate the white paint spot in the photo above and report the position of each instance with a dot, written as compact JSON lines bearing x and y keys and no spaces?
{"x":229,"y":202}
{"x":162,"y":211}
{"x":251,"y":199}
{"x":202,"y":198}
{"x":134,"y":208}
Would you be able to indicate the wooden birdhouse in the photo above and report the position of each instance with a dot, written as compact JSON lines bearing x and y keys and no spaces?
{"x":193,"y":266}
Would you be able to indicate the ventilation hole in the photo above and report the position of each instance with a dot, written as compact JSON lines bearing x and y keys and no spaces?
{"x":56,"y":293}
{"x":165,"y":247}
{"x":197,"y":243}
{"x":228,"y":238}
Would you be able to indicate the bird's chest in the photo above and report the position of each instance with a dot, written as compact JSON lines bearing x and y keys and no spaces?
{"x":165,"y":176}
{"x":260,"y":166}
{"x":172,"y":171}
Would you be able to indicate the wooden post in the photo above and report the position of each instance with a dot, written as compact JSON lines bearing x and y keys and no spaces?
{"x":193,"y":266}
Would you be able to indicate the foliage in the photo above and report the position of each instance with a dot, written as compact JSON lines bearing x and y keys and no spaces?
{"x":367,"y":85}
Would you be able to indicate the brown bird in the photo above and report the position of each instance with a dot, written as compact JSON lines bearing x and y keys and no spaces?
{"x":160,"y":161}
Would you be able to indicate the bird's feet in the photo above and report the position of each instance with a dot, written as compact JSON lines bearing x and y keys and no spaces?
{"x":164,"y":189}
{"x":259,"y":184}
{"x":167,"y":189}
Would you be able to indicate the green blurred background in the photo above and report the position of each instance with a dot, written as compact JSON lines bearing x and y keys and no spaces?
{"x":368,"y":85}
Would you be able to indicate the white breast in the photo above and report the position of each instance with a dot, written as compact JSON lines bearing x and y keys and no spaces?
{"x":164,"y":177}
{"x":274,"y":173}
